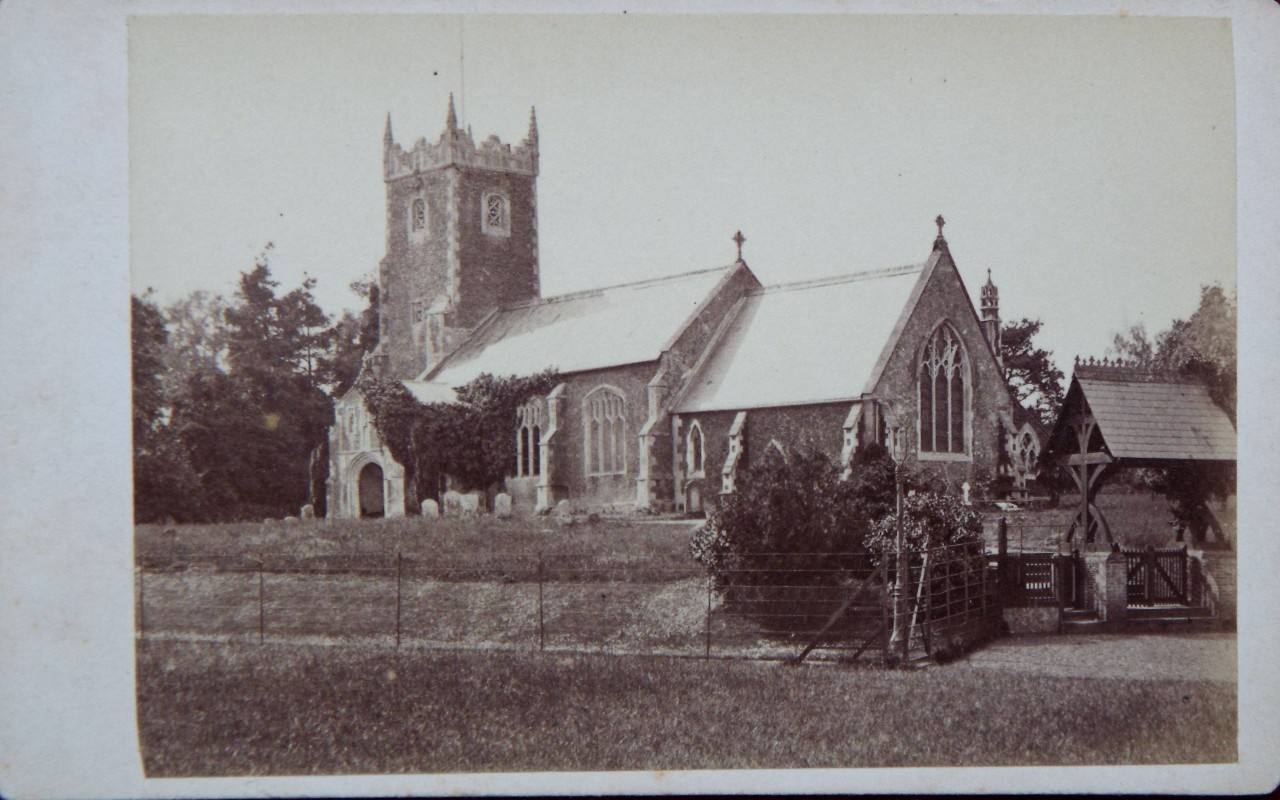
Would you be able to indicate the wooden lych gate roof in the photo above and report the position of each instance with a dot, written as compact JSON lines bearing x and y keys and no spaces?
{"x":1144,"y":417}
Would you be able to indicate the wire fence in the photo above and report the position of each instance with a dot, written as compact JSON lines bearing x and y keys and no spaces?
{"x":769,"y":606}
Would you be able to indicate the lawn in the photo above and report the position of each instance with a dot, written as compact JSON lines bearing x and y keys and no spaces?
{"x":236,"y":709}
{"x":1137,"y":519}
{"x":458,"y":549}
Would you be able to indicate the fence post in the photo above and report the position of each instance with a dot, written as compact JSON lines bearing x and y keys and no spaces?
{"x":708,"y":652}
{"x":142,"y":601}
{"x":398,"y":601}
{"x":542,"y":631}
{"x":262,"y":608}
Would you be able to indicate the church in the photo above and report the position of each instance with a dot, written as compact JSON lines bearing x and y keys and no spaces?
{"x":668,"y":388}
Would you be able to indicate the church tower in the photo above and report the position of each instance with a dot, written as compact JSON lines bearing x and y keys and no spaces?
{"x":991,"y":316}
{"x":462,"y":240}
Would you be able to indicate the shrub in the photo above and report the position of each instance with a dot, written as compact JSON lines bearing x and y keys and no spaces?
{"x":929,"y":520}
{"x":783,"y":545}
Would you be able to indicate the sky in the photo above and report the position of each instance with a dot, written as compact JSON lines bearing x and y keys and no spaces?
{"x":1088,"y":162}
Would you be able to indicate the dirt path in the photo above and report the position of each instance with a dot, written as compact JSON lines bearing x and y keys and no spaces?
{"x":1198,"y":656}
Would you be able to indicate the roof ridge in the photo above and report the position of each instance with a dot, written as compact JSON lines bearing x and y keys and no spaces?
{"x":884,"y":272}
{"x":556,"y":298}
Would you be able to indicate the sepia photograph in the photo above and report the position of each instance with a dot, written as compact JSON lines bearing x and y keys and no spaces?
{"x":631,"y":394}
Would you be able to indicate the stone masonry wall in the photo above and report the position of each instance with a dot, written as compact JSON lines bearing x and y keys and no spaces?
{"x":816,"y":427}
{"x":569,"y":469}
{"x":944,"y":297}
{"x":414,"y":269}
{"x":495,"y":270}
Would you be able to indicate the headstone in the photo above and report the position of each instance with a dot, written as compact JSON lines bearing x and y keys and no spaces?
{"x":452,"y":503}
{"x":964,"y":488}
{"x":430,"y":508}
{"x":564,"y":509}
{"x":308,"y":512}
{"x":290,"y":520}
{"x":502,"y":505}
{"x":469,"y":504}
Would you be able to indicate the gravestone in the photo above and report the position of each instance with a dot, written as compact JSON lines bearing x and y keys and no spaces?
{"x":564,"y":514}
{"x":964,"y":488}
{"x":430,"y":508}
{"x":290,"y":520}
{"x":452,"y":503}
{"x":502,"y":506}
{"x":308,"y":512}
{"x":469,"y":504}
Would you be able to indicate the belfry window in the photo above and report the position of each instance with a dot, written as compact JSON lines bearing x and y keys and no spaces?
{"x":604,"y":426}
{"x":529,"y":418}
{"x":943,"y":394}
{"x":418,"y":215}
{"x":695,"y":456}
{"x":496,"y":214}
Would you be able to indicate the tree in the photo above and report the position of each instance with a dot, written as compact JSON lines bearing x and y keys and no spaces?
{"x":276,"y":348}
{"x":197,"y":338}
{"x":1202,"y":346}
{"x":1030,"y":370}
{"x":164,"y":484}
{"x":353,"y":337}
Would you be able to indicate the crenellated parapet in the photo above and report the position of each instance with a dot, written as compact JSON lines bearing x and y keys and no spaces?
{"x":456,"y":147}
{"x":1119,"y":369}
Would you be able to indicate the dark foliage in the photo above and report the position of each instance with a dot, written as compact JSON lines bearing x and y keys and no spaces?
{"x":231,"y":413}
{"x":471,"y":440}
{"x":1203,"y":347}
{"x":785,"y":545}
{"x":1030,"y":370}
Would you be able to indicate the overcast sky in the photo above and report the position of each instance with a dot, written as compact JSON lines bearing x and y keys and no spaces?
{"x":1089,"y":163}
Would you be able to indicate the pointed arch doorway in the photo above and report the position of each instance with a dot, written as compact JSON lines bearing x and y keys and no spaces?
{"x":372,"y":499}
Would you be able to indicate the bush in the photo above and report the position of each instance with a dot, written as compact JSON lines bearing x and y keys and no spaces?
{"x":782,"y":548}
{"x":929,"y":520}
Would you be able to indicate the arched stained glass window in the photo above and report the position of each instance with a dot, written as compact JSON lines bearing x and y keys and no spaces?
{"x":604,"y":424}
{"x":944,"y":376}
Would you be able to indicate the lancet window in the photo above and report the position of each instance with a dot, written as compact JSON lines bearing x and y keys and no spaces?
{"x":695,"y":456}
{"x":529,"y":419}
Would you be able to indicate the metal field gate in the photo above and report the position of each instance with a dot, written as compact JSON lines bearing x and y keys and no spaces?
{"x":1157,"y":577}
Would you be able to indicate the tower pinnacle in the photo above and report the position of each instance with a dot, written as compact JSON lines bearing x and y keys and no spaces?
{"x":533,"y":126}
{"x":990,"y":308}
{"x":451,"y":122}
{"x":386,"y":132}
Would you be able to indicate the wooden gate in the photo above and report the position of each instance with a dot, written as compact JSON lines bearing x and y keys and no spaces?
{"x":1156,"y":576}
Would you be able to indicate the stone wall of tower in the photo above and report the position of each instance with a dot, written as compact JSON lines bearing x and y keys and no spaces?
{"x":496,"y":269}
{"x":445,"y":269}
{"x":416,"y":272}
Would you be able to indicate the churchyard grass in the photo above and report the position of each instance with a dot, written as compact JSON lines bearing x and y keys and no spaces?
{"x":1137,"y":518}
{"x":241,"y":709}
{"x":457,"y":545}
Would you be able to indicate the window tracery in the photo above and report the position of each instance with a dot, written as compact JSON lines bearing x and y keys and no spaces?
{"x":529,"y":420}
{"x":604,"y":432}
{"x":943,"y":394}
{"x":496,"y":214}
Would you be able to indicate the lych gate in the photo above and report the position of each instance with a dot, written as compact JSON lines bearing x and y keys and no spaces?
{"x":1117,"y":415}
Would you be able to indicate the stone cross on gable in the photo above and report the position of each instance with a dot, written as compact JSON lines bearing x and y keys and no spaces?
{"x":940,"y":222}
{"x":738,"y":239}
